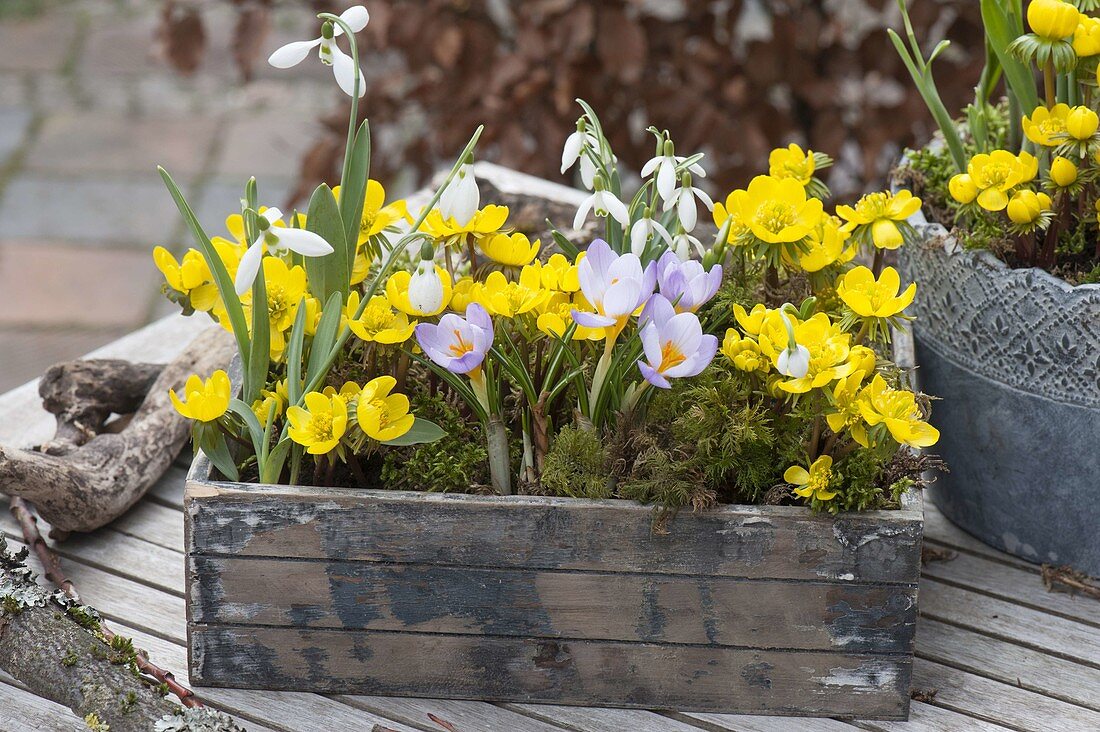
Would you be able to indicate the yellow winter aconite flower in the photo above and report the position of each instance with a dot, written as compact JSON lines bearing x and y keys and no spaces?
{"x":848,"y":415}
{"x":1044,"y":125}
{"x":379,"y":322}
{"x":397,"y":292}
{"x":488,"y":220}
{"x":466,"y":291}
{"x":510,"y":299}
{"x":962,"y":188}
{"x":320,"y":424}
{"x":377,"y":214}
{"x":744,"y":353}
{"x":897,"y":410}
{"x":349,"y":392}
{"x":514,"y":250}
{"x":1027,"y":206}
{"x":863,"y":361}
{"x":555,"y":317}
{"x":383,"y":416}
{"x":791,"y":162}
{"x":559,"y":274}
{"x":203,"y":401}
{"x":751,"y":322}
{"x":871,"y":298}
{"x":1086,"y":37}
{"x":881,"y":211}
{"x":1081,"y":123}
{"x":775,"y":211}
{"x":1052,"y":19}
{"x":273,"y":401}
{"x":190,"y":277}
{"x":1063,"y":172}
{"x":826,"y":246}
{"x":994,"y":175}
{"x":812,"y":483}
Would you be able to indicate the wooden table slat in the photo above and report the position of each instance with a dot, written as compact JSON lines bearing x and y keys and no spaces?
{"x":590,"y":719}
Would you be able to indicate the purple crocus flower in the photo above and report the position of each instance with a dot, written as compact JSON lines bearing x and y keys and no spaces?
{"x":675,"y":345}
{"x":615,"y":284}
{"x":687,"y":284}
{"x":458,"y":344}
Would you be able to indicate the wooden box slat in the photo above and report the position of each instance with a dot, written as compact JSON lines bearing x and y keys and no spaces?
{"x":536,"y":532}
{"x":653,"y":608}
{"x":761,"y":610}
{"x":633,"y":675}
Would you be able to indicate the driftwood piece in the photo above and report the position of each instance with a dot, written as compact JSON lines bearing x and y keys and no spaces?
{"x":98,"y":475}
{"x":54,"y":646}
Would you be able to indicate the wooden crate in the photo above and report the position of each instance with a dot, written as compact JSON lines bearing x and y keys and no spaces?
{"x":761,"y":610}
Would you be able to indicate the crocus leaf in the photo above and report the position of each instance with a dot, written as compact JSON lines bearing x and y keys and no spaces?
{"x":325,"y":337}
{"x":294,"y":355}
{"x":255,"y":375}
{"x":228,"y":293}
{"x":353,"y":189}
{"x":422,"y":431}
{"x":330,"y":273}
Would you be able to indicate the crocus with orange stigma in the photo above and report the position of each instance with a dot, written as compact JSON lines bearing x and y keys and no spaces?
{"x":674,"y":344}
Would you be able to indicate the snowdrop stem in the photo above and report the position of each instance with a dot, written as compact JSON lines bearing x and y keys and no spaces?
{"x":354,"y":118}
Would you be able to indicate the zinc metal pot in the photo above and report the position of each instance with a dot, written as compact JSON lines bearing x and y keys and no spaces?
{"x":1014,"y":355}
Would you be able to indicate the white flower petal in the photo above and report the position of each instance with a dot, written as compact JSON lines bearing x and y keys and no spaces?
{"x":650,"y":166}
{"x":572,"y":150}
{"x":582,"y":212}
{"x":639,"y":235}
{"x":666,"y":178}
{"x":588,"y":172}
{"x":303,"y":242}
{"x":356,"y":17}
{"x":292,"y":54}
{"x":344,"y":71}
{"x":687,"y":211}
{"x":272,"y":214}
{"x":617,"y":209}
{"x":249,"y":267}
{"x":702,"y":196}
{"x":660,"y":229}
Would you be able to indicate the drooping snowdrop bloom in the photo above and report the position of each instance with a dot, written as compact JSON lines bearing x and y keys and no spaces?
{"x":794,"y":360}
{"x":458,"y":344}
{"x":575,"y":145}
{"x":276,"y":240}
{"x":674,"y":344}
{"x":643,"y":229}
{"x":665,"y":164}
{"x":330,"y":54}
{"x":426,"y":288}
{"x":603,"y":203}
{"x":683,"y":200}
{"x":615,"y":285}
{"x":461,"y":198}
{"x":683,"y":243}
{"x":687,"y":285}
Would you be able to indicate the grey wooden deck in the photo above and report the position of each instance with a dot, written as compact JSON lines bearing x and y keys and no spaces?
{"x":995,"y":650}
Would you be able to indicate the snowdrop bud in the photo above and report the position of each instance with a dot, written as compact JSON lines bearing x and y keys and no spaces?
{"x":327,"y":30}
{"x":794,"y":362}
{"x":426,"y":288}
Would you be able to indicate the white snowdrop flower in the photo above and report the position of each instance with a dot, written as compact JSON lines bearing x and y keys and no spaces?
{"x":794,"y":360}
{"x":683,"y":244}
{"x":426,"y":288}
{"x":343,"y":68}
{"x":643,"y":229}
{"x":461,"y":198}
{"x":602,"y":203}
{"x":276,"y":240}
{"x":683,"y":200}
{"x":665,"y":165}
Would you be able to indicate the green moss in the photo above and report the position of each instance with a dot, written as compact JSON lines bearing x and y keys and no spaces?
{"x":857,"y":480}
{"x":576,"y":466}
{"x":10,"y":606}
{"x":70,"y":659}
{"x":129,"y":702}
{"x":453,"y":463}
{"x":84,"y":616}
{"x":93,"y":723}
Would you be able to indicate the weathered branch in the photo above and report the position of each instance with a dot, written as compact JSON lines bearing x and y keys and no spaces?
{"x":93,"y":483}
{"x":56,"y":647}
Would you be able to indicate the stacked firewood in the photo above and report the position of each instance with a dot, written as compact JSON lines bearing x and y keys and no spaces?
{"x":732,"y":79}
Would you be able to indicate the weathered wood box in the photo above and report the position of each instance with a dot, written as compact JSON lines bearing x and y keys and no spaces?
{"x":762,"y":610}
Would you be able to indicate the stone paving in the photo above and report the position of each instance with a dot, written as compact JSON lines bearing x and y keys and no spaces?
{"x":87,"y":111}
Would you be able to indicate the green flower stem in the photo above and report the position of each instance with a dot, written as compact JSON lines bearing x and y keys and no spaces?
{"x":600,"y":375}
{"x":1049,"y":83}
{"x":354,"y":118}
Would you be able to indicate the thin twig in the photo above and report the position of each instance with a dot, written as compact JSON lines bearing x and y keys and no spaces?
{"x":1070,"y":578}
{"x":51,"y":562}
